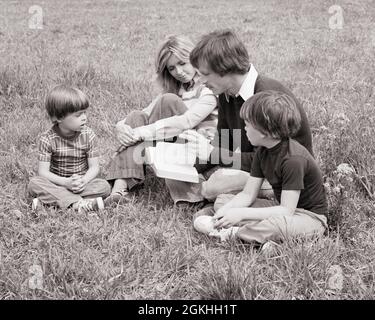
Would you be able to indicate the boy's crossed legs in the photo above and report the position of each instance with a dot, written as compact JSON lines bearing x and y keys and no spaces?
{"x":51,"y":194}
{"x":302,"y":222}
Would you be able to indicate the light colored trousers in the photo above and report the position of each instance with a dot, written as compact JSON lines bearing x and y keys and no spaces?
{"x":302,"y":223}
{"x":213,"y":183}
{"x":51,"y":194}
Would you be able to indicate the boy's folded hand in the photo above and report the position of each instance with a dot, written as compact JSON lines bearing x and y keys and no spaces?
{"x":79,"y":184}
{"x":75,"y":183}
{"x":69,"y":184}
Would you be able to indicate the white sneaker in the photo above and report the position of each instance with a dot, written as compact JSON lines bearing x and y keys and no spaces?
{"x":270,"y":249}
{"x":36,"y":204}
{"x":87,"y":205}
{"x":204,"y":224}
{"x":226,"y":234}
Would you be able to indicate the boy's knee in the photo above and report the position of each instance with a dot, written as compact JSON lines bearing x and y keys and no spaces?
{"x":34,"y":183}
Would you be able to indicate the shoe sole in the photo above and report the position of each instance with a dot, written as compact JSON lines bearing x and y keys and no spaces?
{"x":100,"y":203}
{"x":35,"y":204}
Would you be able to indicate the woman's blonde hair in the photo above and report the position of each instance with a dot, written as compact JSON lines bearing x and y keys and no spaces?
{"x":181,"y":47}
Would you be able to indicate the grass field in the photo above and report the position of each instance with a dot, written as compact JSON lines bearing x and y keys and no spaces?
{"x":148,"y":248}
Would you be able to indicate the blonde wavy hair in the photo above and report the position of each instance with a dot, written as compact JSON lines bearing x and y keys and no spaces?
{"x":181,"y":47}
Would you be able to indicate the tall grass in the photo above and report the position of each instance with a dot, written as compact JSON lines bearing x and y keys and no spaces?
{"x":148,"y":249}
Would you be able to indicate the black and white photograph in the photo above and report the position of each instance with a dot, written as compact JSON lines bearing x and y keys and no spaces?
{"x":188,"y":156}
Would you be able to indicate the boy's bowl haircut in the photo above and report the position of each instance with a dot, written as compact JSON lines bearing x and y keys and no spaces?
{"x":273,"y":113}
{"x":63,"y":100}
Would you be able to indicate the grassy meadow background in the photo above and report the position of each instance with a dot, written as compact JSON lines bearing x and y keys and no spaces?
{"x":148,"y":249}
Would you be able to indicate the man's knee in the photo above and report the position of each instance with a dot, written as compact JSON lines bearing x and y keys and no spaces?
{"x":209,"y":191}
{"x":224,"y":180}
{"x":262,"y":231}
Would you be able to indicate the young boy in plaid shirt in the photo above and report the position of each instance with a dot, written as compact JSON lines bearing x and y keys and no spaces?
{"x":68,"y":156}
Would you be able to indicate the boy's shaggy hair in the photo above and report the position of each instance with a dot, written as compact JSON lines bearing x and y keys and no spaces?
{"x":273,"y":113}
{"x":63,"y":100}
{"x":223,"y":53}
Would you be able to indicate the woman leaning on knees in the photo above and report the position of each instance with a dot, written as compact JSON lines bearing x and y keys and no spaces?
{"x":185,"y":103}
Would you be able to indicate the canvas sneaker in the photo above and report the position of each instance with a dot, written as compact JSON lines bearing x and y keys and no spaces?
{"x":87,"y":205}
{"x":225,"y":234}
{"x":205,"y":224}
{"x":36,"y":205}
{"x":270,"y":249}
{"x":116,"y":198}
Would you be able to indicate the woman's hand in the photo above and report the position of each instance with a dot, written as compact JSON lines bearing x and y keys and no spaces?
{"x":126,"y":135}
{"x":227,"y":217}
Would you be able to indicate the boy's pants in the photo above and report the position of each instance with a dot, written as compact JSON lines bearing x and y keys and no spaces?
{"x":301,"y":223}
{"x":51,"y":194}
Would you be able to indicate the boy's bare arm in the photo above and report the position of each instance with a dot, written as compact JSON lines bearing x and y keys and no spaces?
{"x":289,"y":200}
{"x":43,"y":171}
{"x":93,"y":171}
{"x":247,"y":196}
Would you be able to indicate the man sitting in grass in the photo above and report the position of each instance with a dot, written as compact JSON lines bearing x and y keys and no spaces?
{"x":300,"y":205}
{"x":68,"y":156}
{"x":224,"y":67}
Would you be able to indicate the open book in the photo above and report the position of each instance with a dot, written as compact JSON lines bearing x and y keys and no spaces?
{"x":172,"y":161}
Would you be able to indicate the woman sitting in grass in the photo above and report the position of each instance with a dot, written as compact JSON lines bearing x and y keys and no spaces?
{"x":185,"y":103}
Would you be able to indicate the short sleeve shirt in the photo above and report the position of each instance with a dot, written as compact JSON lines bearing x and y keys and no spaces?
{"x":289,"y":166}
{"x":68,"y":156}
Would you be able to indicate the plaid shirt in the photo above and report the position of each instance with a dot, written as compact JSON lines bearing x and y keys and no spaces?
{"x":67,"y":155}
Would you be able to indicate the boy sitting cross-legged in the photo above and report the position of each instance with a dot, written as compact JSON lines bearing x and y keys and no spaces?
{"x":300,"y":205}
{"x":68,"y":156}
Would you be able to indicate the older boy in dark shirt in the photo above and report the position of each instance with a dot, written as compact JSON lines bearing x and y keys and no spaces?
{"x":300,"y":208}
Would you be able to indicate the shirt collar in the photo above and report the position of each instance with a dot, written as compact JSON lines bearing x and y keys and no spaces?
{"x":247,"y":89}
{"x":57,"y":130}
{"x":190,"y":85}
